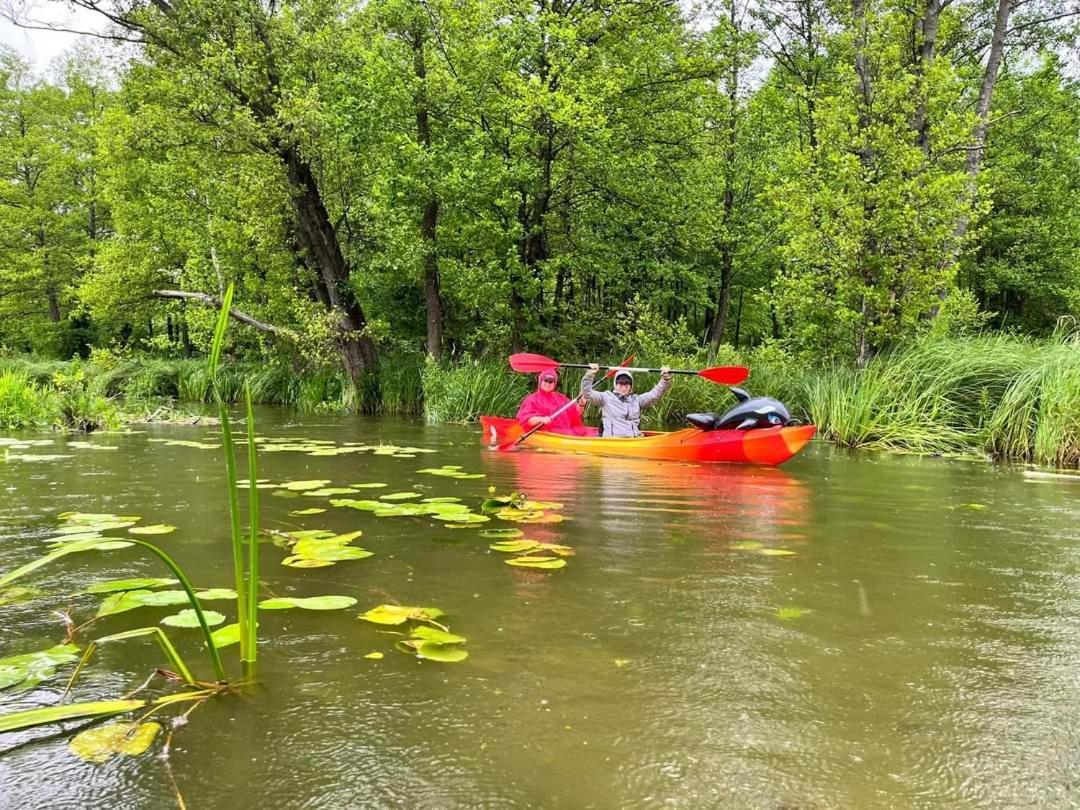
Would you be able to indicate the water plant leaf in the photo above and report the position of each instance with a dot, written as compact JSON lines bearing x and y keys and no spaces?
{"x":216,"y":593}
{"x":19,"y":593}
{"x":306,"y":562}
{"x":300,"y":486}
{"x":124,"y":601}
{"x":537,"y":562}
{"x":29,"y":669}
{"x":157,"y":528}
{"x":102,"y":743}
{"x":776,"y":552}
{"x":67,"y":711}
{"x":442,"y":499}
{"x":789,"y":613}
{"x":315,"y":510}
{"x":224,"y":636}
{"x":136,"y":583}
{"x":364,"y":506}
{"x":188,"y":618}
{"x":308,"y":603}
{"x":437,"y":636}
{"x":399,"y":496}
{"x":444,"y":653}
{"x":399,"y":614}
{"x":556,"y":549}
{"x":369,"y":485}
{"x":160,"y":598}
{"x":504,"y":534}
{"x":374,"y":655}
{"x":463,"y":517}
{"x":326,"y":492}
{"x":514,"y":546}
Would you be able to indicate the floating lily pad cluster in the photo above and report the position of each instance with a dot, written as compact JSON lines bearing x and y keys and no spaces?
{"x":426,"y":638}
{"x":187,"y":443}
{"x":9,"y":444}
{"x":516,"y":508}
{"x":327,"y":447}
{"x":533,"y":554}
{"x":125,"y":600}
{"x":450,"y":471}
{"x":447,"y":510}
{"x":318,"y":548}
{"x":29,"y":669}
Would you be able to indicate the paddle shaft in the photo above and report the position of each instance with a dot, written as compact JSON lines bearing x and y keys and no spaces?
{"x":635,"y":370}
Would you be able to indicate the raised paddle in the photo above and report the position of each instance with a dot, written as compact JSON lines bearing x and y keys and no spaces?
{"x":563,"y":409}
{"x":535,"y":363}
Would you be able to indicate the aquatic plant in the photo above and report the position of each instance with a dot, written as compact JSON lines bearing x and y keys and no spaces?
{"x":24,"y":403}
{"x":462,"y":391}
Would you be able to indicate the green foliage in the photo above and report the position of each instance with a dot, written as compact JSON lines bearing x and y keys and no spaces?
{"x":24,"y":403}
{"x":461,"y":391}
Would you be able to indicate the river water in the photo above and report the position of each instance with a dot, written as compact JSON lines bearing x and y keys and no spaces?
{"x":920,"y":647}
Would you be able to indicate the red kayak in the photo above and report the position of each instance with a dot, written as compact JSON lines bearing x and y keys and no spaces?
{"x":773,"y":445}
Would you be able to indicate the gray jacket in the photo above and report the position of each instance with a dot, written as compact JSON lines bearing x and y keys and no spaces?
{"x":622,"y":415}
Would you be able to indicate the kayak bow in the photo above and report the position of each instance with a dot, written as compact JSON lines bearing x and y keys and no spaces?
{"x":758,"y":446}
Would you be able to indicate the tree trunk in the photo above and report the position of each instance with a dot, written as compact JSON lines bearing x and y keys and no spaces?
{"x":978,"y":145}
{"x":429,"y":223}
{"x":925,"y":61}
{"x":318,"y":239}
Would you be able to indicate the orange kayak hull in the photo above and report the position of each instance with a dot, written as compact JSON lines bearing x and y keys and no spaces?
{"x":760,"y":446}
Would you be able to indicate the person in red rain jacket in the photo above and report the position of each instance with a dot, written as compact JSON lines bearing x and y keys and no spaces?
{"x":539,"y":406}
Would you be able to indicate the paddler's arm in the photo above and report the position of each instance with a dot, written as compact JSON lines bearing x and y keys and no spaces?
{"x":651,"y":397}
{"x":587,"y":391}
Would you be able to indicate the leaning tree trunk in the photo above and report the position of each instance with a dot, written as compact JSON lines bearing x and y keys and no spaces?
{"x":318,"y":238}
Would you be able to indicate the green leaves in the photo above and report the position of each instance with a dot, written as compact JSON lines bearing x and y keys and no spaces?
{"x":130,"y":584}
{"x":308,"y":603}
{"x":29,"y":669}
{"x":399,"y":614}
{"x":102,"y":743}
{"x":188,"y":618}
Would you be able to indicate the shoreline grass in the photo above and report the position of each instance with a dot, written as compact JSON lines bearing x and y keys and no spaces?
{"x":996,"y":396}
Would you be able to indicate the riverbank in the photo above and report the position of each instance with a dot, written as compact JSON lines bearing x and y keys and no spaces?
{"x":998,"y":396}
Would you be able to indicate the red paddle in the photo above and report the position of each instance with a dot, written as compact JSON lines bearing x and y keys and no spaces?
{"x":532,"y":430}
{"x":535,"y":363}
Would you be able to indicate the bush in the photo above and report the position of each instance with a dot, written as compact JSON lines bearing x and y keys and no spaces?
{"x":23,"y":403}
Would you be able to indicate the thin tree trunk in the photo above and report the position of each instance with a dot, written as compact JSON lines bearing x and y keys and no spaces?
{"x":430,"y":221}
{"x":925,"y":60}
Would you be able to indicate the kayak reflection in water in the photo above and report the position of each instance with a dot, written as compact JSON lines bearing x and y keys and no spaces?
{"x":543,"y":407}
{"x":621,"y":409}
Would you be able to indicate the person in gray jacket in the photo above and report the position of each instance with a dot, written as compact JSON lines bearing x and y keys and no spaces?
{"x":621,"y":409}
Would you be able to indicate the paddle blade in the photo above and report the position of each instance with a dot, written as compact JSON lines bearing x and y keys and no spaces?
{"x":527,"y":363}
{"x":725,"y":375}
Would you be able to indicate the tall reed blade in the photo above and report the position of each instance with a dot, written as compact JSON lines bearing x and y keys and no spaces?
{"x":249,"y":652}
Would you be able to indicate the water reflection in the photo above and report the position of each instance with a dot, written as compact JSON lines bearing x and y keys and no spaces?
{"x":723,"y":500}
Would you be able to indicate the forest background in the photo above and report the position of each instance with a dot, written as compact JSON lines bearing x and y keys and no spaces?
{"x":404,"y":191}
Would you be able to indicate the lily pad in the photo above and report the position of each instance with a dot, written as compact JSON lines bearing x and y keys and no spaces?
{"x":437,"y":636}
{"x":300,"y":486}
{"x":315,"y":510}
{"x":375,"y":656}
{"x":101,"y":743}
{"x":137,"y":583}
{"x":327,"y":492}
{"x":160,"y":598}
{"x":537,"y":562}
{"x":308,"y":603}
{"x":157,"y":528}
{"x":216,"y":593}
{"x":442,"y":499}
{"x":399,"y":496}
{"x":363,"y":506}
{"x":29,"y":669}
{"x":789,"y":613}
{"x":369,"y":485}
{"x":123,"y":601}
{"x":188,"y":618}
{"x":445,"y":653}
{"x":776,"y":552}
{"x":502,"y":534}
{"x":399,"y":614}
{"x":514,"y":546}
{"x":19,"y":593}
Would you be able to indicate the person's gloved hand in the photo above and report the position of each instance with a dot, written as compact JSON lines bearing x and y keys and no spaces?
{"x":593,"y":368}
{"x":665,"y":373}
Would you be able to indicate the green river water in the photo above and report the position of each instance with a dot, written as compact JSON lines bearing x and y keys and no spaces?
{"x":921,"y":648}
